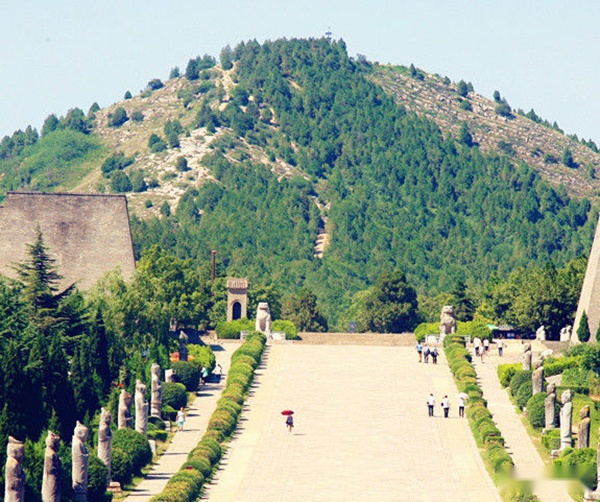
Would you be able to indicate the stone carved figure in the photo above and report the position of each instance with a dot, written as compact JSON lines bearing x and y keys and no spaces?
{"x":170,"y":375}
{"x":526,"y":363}
{"x":183,"y":351}
{"x":124,"y":418}
{"x":550,"y":406}
{"x":540,"y":333}
{"x":14,"y":475}
{"x":156,"y":402}
{"x":583,"y":429}
{"x":80,"y":457}
{"x":537,"y":377}
{"x":141,"y":408}
{"x":566,"y":415}
{"x":447,"y":320}
{"x":565,"y":334}
{"x":51,"y":482}
{"x":105,"y":440}
{"x":263,"y":318}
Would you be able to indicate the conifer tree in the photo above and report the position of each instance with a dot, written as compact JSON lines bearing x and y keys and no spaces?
{"x":583,"y":330}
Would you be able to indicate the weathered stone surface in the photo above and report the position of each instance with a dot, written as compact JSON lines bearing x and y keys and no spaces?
{"x":183,"y":341}
{"x":80,"y":457}
{"x":447,"y":320}
{"x":14,"y":475}
{"x":526,"y":361}
{"x":583,"y":429}
{"x":88,"y":234}
{"x":51,"y":482}
{"x":105,"y":441}
{"x":170,"y":375}
{"x":537,"y":377}
{"x":566,"y":416}
{"x":237,"y":299}
{"x":263,"y":318}
{"x":124,"y":418}
{"x":156,"y":400}
{"x":141,"y":408}
{"x":550,"y":406}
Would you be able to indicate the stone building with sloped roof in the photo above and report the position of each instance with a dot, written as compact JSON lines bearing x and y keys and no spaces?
{"x":87,"y":234}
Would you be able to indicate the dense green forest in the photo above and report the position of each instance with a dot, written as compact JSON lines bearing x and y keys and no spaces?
{"x":401,"y":194}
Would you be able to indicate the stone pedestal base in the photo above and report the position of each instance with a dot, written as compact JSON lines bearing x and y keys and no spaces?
{"x":114,"y":487}
{"x":591,"y":496}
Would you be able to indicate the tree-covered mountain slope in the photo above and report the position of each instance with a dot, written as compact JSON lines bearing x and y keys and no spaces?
{"x":283,"y":141}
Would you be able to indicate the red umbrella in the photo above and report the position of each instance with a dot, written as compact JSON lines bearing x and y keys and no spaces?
{"x":287,"y":412}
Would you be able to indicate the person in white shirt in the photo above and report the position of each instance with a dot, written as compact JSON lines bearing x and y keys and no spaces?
{"x":461,"y":406}
{"x":500,"y":347}
{"x":446,"y":406}
{"x":430,"y":404}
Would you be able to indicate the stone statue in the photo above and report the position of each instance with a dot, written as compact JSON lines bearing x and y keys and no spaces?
{"x":51,"y":482}
{"x":105,"y":440}
{"x":566,"y":415}
{"x":124,"y":418}
{"x":263,"y":318}
{"x":80,"y":457}
{"x":14,"y":476}
{"x":447,"y":320}
{"x":170,"y":375}
{"x":183,"y":341}
{"x":526,"y":364}
{"x":583,"y":430}
{"x":550,"y":406}
{"x":537,"y":377}
{"x":156,"y":402}
{"x":540,"y":333}
{"x":565,"y":334}
{"x":141,"y":407}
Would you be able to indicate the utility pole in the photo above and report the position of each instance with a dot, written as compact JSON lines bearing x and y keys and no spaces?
{"x":214,"y":254}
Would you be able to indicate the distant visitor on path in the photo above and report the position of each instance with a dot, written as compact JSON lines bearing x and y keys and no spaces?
{"x":446,"y":406}
{"x":420,"y":351}
{"x":500,"y":344}
{"x":425,"y":354}
{"x":430,"y":404}
{"x":289,"y":422}
{"x":434,"y":355}
{"x":461,"y":406}
{"x":180,"y":419}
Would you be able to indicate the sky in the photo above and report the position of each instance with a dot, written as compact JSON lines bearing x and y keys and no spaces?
{"x":57,"y":55}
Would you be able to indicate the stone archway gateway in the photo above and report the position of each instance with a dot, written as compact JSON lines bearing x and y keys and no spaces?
{"x":237,"y":299}
{"x":236,"y":311}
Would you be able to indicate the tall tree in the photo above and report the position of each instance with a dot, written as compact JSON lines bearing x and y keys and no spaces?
{"x":303,"y":311}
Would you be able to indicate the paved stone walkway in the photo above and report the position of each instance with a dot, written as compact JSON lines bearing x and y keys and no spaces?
{"x":362,"y":431}
{"x":197,"y":417}
{"x":528,"y":463}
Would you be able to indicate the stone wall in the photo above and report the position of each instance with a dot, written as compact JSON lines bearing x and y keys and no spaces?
{"x":87,"y":235}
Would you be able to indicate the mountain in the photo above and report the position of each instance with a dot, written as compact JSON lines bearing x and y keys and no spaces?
{"x":293,"y":142}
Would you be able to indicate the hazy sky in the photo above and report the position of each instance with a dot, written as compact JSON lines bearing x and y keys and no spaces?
{"x":55,"y":55}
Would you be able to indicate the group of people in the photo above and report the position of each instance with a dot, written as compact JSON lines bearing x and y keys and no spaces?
{"x":424,"y":351}
{"x":482,"y":348}
{"x":445,"y":404}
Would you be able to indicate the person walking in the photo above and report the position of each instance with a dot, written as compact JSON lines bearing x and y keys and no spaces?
{"x":500,"y":347}
{"x":461,"y":406}
{"x":446,"y":406}
{"x":430,"y":404}
{"x":420,"y":351}
{"x":180,"y":419}
{"x":486,"y":344}
{"x":289,"y":422}
{"x":433,"y":355}
{"x":425,"y":354}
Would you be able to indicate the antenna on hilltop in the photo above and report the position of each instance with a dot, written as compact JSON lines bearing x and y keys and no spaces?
{"x":328,"y":34}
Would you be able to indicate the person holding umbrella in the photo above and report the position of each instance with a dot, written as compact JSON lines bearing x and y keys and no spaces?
{"x":289,"y":420}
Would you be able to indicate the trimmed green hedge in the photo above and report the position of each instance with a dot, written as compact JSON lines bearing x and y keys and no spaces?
{"x":131,"y":452}
{"x":536,"y":410}
{"x":554,"y":366}
{"x":188,"y":374}
{"x":231,"y":329}
{"x":506,"y":372}
{"x":202,"y":460}
{"x":174,"y":395}
{"x":288,"y":327}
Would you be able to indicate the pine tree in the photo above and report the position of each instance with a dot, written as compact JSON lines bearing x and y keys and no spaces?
{"x":583,"y":331}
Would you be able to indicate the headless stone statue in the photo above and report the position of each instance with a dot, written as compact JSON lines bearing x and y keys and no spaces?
{"x":550,"y":406}
{"x":183,"y":351}
{"x":141,"y":408}
{"x":156,"y":391}
{"x":81,"y":457}
{"x":526,"y":365}
{"x":583,"y":430}
{"x":537,"y":377}
{"x":51,"y":482}
{"x":540,"y":333}
{"x":566,"y":415}
{"x":105,"y":440}
{"x":124,"y":419}
{"x":14,"y":476}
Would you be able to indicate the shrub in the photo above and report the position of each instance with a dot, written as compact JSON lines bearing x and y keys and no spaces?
{"x":201,"y":464}
{"x":554,"y":366}
{"x":232,"y":329}
{"x":135,"y":445}
{"x":465,"y":105}
{"x":121,"y":466}
{"x":174,"y":395}
{"x":506,"y":372}
{"x":524,"y":394}
{"x":97,"y":480}
{"x":155,"y":84}
{"x":500,"y":460}
{"x":203,"y":355}
{"x":235,"y":392}
{"x":551,"y":439}
{"x":157,"y":435}
{"x":169,"y":412}
{"x":578,"y":377}
{"x":157,"y":422}
{"x":536,"y":410}
{"x":182,"y":164}
{"x":517,"y":380}
{"x":288,"y":327}
{"x":577,"y":463}
{"x":118,"y":118}
{"x":156,"y":143}
{"x":426,"y":328}
{"x":188,"y":374}
{"x":120,"y":182}
{"x":137,"y":116}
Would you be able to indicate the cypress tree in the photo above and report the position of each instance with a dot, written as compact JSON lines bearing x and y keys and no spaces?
{"x":583,"y":331}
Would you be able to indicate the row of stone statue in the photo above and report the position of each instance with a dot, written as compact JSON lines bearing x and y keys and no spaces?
{"x":15,"y":476}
